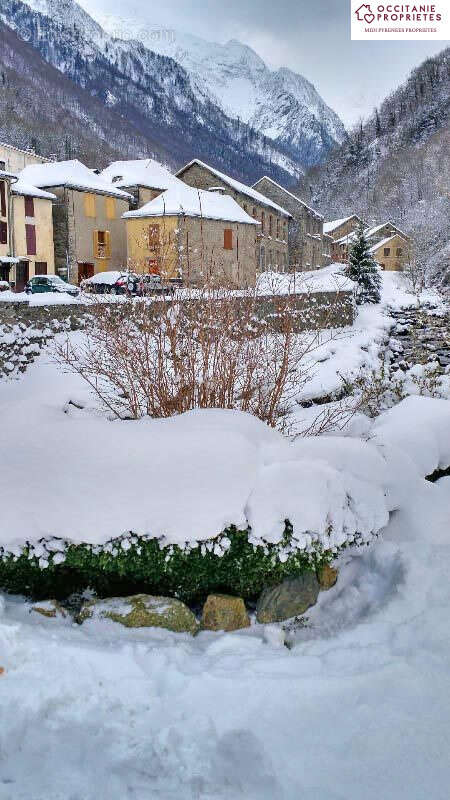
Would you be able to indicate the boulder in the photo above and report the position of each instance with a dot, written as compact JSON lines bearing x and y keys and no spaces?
{"x":288,"y":599}
{"x":327,"y":576}
{"x":49,"y":608}
{"x":142,"y":611}
{"x":222,"y":612}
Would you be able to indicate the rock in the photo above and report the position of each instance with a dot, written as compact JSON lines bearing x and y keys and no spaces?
{"x":288,"y":599}
{"x":327,"y":576}
{"x":142,"y":611}
{"x":224,"y":613}
{"x":49,"y":608}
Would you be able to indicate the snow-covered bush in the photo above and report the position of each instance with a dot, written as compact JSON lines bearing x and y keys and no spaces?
{"x":216,"y":350}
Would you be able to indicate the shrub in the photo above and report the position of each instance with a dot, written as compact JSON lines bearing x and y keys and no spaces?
{"x":229,"y":563}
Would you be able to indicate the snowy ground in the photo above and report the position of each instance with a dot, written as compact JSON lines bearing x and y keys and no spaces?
{"x":358,"y":707}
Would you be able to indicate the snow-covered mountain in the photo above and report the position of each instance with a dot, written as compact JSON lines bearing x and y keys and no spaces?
{"x":280,"y":104}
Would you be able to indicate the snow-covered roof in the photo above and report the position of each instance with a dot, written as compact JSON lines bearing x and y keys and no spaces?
{"x":183,"y":200}
{"x":73,"y":174}
{"x":28,"y":190}
{"x":140,"y":172}
{"x":383,"y":242}
{"x":328,"y":227}
{"x":237,"y":186}
{"x":372,"y":231}
{"x":4,"y":174}
{"x":294,"y":196}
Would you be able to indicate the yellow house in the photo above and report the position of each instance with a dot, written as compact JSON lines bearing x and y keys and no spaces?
{"x":7,"y":259}
{"x":88,"y":231}
{"x":32,"y":232}
{"x":195,"y":235}
{"x":391,"y":253}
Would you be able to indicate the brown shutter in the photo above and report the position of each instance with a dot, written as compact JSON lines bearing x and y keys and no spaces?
{"x":30,"y":233}
{"x":3,"y":233}
{"x":228,"y":239}
{"x":29,"y":207}
{"x":40,"y":268}
{"x":2,"y":199}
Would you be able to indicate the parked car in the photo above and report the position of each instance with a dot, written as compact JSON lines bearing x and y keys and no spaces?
{"x":112,"y":282}
{"x":50,"y":283}
{"x":153,"y":284}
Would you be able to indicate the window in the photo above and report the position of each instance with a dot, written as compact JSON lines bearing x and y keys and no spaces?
{"x":110,"y":207}
{"x":29,"y":207}
{"x":40,"y":268}
{"x":30,"y":235}
{"x":102,"y":244}
{"x":153,"y":236}
{"x":399,"y":251}
{"x":263,"y":221}
{"x":3,"y":233}
{"x":228,"y":239}
{"x":2,"y":199}
{"x":262,"y":259}
{"x":278,"y":228}
{"x":254,"y":215}
{"x":89,"y":204}
{"x":3,"y":165}
{"x":270,"y":224}
{"x":387,"y":251}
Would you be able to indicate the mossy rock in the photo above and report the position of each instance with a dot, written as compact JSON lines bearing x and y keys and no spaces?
{"x":289,"y":599}
{"x":224,"y":613}
{"x":142,"y":611}
{"x":327,"y":576}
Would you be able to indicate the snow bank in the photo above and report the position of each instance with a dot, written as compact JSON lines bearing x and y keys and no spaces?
{"x":327,"y":279}
{"x":190,"y":476}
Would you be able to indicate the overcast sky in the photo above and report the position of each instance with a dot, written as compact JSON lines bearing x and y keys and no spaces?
{"x":309,"y":36}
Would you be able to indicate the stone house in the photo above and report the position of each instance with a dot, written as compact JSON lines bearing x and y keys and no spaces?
{"x":14,"y":159}
{"x":144,"y":179}
{"x":327,"y":242}
{"x":340,"y":231}
{"x":195,"y":235}
{"x":88,"y":231}
{"x":376,"y":234}
{"x":391,"y":253}
{"x":305,"y":228}
{"x":272,"y":236}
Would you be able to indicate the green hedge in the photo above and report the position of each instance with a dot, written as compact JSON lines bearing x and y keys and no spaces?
{"x":130,"y":565}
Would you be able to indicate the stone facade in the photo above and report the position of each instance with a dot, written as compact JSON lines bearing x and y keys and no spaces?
{"x":392,"y":253}
{"x":272,"y":237}
{"x":13,"y":159}
{"x":193,"y":248}
{"x":305,"y":227}
{"x":78,"y":218}
{"x":340,"y":231}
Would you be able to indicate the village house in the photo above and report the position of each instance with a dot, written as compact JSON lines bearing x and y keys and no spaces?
{"x":32,"y":231}
{"x":391,"y":253}
{"x":272,"y":236}
{"x":88,"y":231}
{"x":327,"y":256}
{"x":14,"y":159}
{"x":143,"y":178}
{"x":7,"y":259}
{"x":341,"y":231}
{"x":305,"y":245}
{"x":195,"y":235}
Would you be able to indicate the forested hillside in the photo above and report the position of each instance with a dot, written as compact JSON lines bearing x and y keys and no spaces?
{"x":397,"y":166}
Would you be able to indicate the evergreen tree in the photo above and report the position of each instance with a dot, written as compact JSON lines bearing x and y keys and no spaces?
{"x":363,"y":270}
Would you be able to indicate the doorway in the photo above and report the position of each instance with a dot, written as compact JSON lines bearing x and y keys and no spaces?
{"x":22,"y":275}
{"x":85,"y":270}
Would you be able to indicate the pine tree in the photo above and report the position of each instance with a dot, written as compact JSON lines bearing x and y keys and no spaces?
{"x":363,"y":270}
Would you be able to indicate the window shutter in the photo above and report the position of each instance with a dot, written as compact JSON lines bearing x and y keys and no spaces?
{"x":95,"y":245}
{"x":228,"y":239}
{"x":30,"y":234}
{"x":89,"y":204}
{"x":107,"y":244}
{"x":29,"y":207}
{"x":110,"y":203}
{"x":3,"y":233}
{"x":2,"y":199}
